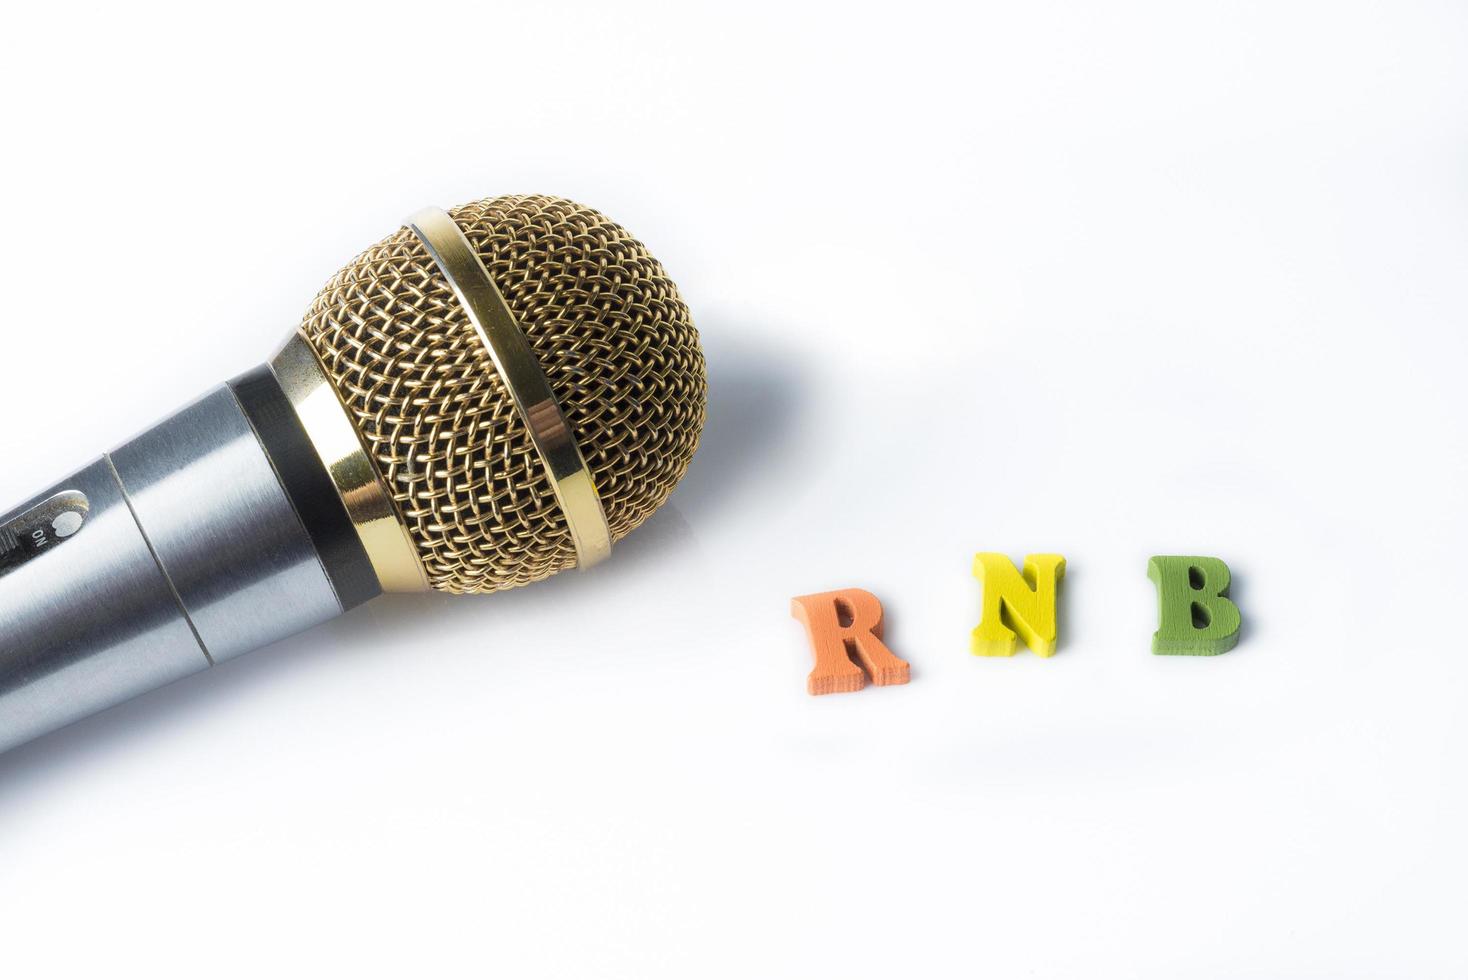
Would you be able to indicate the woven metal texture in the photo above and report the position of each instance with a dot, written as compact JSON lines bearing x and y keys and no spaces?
{"x":611,"y":333}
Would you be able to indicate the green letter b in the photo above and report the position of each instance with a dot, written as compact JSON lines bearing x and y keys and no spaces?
{"x":1195,"y":615}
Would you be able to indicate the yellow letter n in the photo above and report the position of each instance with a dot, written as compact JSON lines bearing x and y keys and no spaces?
{"x":1017,"y":604}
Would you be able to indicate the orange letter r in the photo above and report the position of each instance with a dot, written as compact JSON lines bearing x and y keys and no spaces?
{"x":846,"y":625}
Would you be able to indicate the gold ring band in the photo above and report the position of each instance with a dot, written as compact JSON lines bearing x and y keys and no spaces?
{"x":365,"y":496}
{"x":501,"y":335}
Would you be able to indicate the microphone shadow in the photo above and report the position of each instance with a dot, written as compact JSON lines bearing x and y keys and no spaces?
{"x":755,"y":434}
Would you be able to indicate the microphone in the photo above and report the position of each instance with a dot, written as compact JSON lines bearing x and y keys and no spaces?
{"x":485,"y":397}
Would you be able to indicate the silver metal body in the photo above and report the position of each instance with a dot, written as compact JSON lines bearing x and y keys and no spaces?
{"x":190,"y":553}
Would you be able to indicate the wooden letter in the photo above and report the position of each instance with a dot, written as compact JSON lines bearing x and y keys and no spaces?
{"x":1015,"y":603}
{"x":846,"y":625}
{"x":1195,"y":615}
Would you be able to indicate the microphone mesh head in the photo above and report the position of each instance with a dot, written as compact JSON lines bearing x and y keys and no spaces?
{"x":612,"y":335}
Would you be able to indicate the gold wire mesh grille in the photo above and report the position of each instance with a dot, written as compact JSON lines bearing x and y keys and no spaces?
{"x":611,"y":333}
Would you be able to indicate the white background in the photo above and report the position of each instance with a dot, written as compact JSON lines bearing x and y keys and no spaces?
{"x":1163,"y":278}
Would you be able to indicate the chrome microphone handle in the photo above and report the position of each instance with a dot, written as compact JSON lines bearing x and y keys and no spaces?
{"x":214,"y":533}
